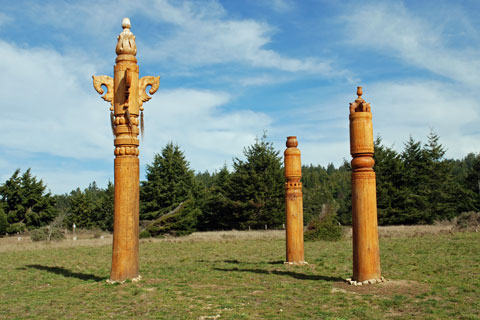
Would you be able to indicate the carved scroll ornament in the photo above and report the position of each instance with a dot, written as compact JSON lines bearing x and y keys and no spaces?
{"x":153,"y":82}
{"x":98,"y":82}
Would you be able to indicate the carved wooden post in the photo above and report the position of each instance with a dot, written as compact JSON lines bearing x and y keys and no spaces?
{"x":293,"y":203}
{"x":366,"y":254}
{"x":126,"y":94}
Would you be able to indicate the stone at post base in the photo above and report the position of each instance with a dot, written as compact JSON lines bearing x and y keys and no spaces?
{"x":296,"y":263}
{"x":137,"y":279}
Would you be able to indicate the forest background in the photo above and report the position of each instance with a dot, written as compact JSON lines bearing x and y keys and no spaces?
{"x":414,"y":186}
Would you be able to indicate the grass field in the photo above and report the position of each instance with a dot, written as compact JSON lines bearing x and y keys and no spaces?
{"x":241,"y":275}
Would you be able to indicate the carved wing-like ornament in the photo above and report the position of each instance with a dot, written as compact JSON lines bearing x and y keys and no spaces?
{"x":144,"y":82}
{"x":99,"y":81}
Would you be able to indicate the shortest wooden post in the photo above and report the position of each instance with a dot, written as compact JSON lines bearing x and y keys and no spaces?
{"x":293,"y":203}
{"x":366,"y":252}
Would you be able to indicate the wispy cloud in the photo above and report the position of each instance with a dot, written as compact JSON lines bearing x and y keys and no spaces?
{"x":204,"y":35}
{"x":391,"y":28}
{"x":195,"y":120}
{"x":50,"y":108}
{"x":414,"y":108}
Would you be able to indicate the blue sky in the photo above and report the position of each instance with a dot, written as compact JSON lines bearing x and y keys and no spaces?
{"x":230,"y":70}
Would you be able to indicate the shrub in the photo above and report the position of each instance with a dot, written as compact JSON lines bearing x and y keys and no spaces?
{"x":97,"y":233}
{"x":325,"y":226}
{"x":47,"y":234}
{"x":16,"y":227}
{"x":144,"y":234}
{"x":467,"y":221}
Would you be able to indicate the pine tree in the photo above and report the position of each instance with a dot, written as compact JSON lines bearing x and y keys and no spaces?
{"x":257,"y":187}
{"x":390,"y":179}
{"x":106,"y":209}
{"x":90,"y":208}
{"x":317,"y":190}
{"x":24,"y":199}
{"x":217,"y":207}
{"x":341,"y":181}
{"x":169,"y":182}
{"x":3,"y":222}
{"x":440,"y":187}
{"x":472,"y":183}
{"x":413,"y":207}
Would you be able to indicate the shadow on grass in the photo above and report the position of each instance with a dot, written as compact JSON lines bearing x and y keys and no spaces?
{"x":235,"y":261}
{"x":295,"y":275}
{"x":66,"y":273}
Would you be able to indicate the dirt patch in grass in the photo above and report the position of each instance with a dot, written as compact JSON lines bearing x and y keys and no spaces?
{"x":384,"y":289}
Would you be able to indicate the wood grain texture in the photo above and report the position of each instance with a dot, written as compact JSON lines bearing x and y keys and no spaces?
{"x":293,"y":203}
{"x":126,"y":93}
{"x":366,"y":252}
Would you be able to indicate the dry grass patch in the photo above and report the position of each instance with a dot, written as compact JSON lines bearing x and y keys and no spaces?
{"x":408,"y":231}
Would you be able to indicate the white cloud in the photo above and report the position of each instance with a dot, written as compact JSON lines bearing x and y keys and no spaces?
{"x":414,"y":108}
{"x":205,"y":35}
{"x":189,"y":33}
{"x":194,"y":119}
{"x":50,"y":107}
{"x":390,"y":27}
{"x":281,"y":5}
{"x":46,"y":106}
{"x":5,"y":19}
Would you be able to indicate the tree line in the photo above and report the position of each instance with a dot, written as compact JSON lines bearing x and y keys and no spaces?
{"x":415,"y":186}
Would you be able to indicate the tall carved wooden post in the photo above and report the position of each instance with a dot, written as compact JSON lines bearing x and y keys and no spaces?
{"x":293,"y":203}
{"x":366,"y":254}
{"x":126,"y":94}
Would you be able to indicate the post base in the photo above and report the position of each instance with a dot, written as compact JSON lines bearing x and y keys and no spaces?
{"x":297,"y":263}
{"x":137,"y":279}
{"x":361,"y":283}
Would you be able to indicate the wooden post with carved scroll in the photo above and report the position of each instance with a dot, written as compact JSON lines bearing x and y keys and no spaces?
{"x":293,"y":203}
{"x":126,"y":94}
{"x":366,"y":253}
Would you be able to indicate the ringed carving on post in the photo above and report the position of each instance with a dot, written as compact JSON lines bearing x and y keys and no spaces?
{"x":366,"y":252}
{"x":126,"y":94}
{"x":293,"y":204}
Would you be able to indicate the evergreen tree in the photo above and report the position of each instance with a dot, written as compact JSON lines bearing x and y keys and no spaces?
{"x":217,"y":207}
{"x":317,"y":190}
{"x":3,"y":222}
{"x":389,"y":172}
{"x":257,"y":187}
{"x":440,"y":188}
{"x":472,"y":182}
{"x":90,"y":208}
{"x":105,"y":210}
{"x":169,"y":182}
{"x":24,"y":200}
{"x":341,"y":181}
{"x":430,"y":191}
{"x":414,"y":206}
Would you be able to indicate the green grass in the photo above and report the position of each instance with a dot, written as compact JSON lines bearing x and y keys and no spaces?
{"x":433,"y":277}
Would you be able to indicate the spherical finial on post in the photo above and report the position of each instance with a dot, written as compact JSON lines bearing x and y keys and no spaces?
{"x":292,"y":142}
{"x":359,"y":92}
{"x":126,"y":23}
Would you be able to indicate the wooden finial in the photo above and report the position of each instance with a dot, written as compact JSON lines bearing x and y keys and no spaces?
{"x":359,"y":92}
{"x":126,"y":23}
{"x":126,"y":40}
{"x":292,"y":142}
